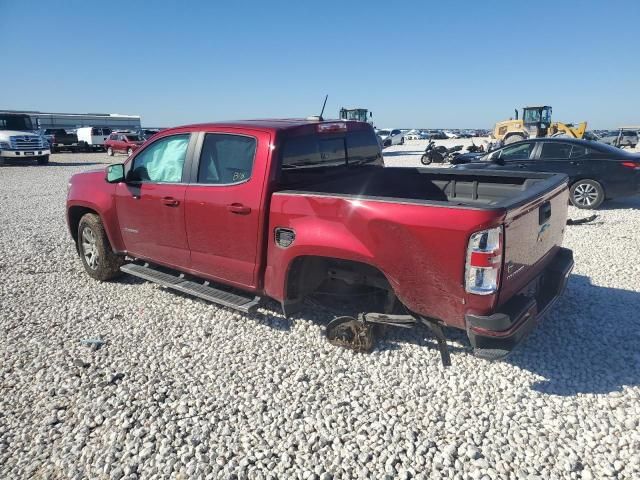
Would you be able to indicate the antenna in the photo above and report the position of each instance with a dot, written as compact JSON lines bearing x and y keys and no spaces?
{"x":323,"y":105}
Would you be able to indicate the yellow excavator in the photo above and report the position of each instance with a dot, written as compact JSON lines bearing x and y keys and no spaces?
{"x":535,"y":122}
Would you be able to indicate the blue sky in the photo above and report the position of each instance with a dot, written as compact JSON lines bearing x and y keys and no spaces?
{"x":414,"y":64}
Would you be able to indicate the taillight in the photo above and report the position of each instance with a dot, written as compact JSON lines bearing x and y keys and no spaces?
{"x":484,"y":258}
{"x":329,"y":127}
{"x":633,"y":165}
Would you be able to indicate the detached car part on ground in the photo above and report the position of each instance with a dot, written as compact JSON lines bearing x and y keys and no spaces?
{"x":597,"y":172}
{"x":290,"y":209}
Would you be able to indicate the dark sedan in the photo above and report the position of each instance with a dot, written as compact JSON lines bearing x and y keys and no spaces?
{"x":597,"y":172}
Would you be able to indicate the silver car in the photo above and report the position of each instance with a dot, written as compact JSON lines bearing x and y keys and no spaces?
{"x":391,"y":137}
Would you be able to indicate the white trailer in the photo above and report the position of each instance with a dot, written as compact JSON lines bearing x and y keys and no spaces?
{"x":94,"y":137}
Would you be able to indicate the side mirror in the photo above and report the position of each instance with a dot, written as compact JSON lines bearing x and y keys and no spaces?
{"x":115,"y":173}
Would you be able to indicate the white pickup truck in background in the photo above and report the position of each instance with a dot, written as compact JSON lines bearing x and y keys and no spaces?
{"x":20,"y":141}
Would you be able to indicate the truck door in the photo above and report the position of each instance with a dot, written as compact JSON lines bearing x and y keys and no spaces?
{"x":224,"y":206}
{"x":150,"y":205}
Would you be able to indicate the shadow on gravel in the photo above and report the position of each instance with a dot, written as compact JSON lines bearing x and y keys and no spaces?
{"x":401,"y":153}
{"x":52,"y":164}
{"x":75,"y":164}
{"x":587,"y":344}
{"x":621,"y":204}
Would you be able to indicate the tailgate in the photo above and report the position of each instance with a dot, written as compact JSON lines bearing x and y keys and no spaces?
{"x":532,"y":234}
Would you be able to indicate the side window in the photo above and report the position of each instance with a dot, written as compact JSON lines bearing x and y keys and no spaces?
{"x":555,"y":151}
{"x":162,"y":161}
{"x":521,"y":151}
{"x":113,"y":137}
{"x":578,"y":151}
{"x":226,"y":159}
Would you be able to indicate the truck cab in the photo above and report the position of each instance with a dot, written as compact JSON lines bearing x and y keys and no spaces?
{"x":20,"y":141}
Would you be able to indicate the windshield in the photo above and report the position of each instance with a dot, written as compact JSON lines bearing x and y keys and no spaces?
{"x":383,"y":132}
{"x":531,"y":116}
{"x":133,"y":138}
{"x":355,"y":148}
{"x":357,"y":115}
{"x":15,"y":122}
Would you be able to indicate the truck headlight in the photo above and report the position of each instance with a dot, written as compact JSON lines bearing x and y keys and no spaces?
{"x":5,"y":146}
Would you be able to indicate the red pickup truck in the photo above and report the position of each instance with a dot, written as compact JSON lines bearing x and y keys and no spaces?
{"x":232,"y":212}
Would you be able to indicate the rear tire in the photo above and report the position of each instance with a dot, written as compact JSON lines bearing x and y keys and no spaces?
{"x":513,"y":138}
{"x":110,"y":151}
{"x":586,"y":194}
{"x":97,"y":257}
{"x":425,"y":159}
{"x":402,"y":141}
{"x":43,"y":160}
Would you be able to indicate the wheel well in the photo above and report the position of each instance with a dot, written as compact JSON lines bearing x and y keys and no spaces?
{"x":307,"y":273}
{"x":74,"y":215}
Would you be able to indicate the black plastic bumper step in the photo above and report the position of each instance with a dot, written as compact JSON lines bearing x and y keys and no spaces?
{"x":200,"y":290}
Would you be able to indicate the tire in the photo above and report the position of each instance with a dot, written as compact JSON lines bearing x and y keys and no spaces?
{"x":425,"y":159}
{"x":43,"y":160}
{"x":94,"y":249}
{"x":129,"y":151}
{"x":402,"y":141}
{"x":586,"y":194}
{"x":110,"y":151}
{"x":386,"y":143}
{"x":513,"y":138}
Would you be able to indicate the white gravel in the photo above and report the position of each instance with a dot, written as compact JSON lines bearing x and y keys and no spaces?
{"x":184,"y":389}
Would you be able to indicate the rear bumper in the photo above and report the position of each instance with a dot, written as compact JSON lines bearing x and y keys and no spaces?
{"x":494,"y":336}
{"x":24,"y":153}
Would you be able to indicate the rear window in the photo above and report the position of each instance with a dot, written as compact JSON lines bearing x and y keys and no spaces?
{"x":558,"y":151}
{"x":133,"y":138}
{"x":356,"y":147}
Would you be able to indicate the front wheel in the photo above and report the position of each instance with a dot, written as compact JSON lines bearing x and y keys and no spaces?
{"x":43,"y":160}
{"x":98,"y":259}
{"x":110,"y":151}
{"x":402,"y":141}
{"x":425,"y":159}
{"x":587,"y":194}
{"x":513,"y":139}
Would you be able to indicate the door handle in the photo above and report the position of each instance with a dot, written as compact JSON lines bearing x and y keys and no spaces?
{"x":239,"y":209}
{"x":574,"y":163}
{"x":170,"y":202}
{"x":522,"y":165}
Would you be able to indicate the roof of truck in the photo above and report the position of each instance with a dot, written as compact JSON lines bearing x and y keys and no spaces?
{"x":267,"y":124}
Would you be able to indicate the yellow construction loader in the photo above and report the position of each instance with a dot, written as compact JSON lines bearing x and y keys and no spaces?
{"x":535,"y":122}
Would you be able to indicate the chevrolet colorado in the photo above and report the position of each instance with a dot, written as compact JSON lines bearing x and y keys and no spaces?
{"x":232,"y":212}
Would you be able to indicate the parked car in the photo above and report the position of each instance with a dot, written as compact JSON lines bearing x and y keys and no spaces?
{"x":597,"y":172}
{"x":146,"y":133}
{"x":123,"y":142}
{"x":391,"y":137}
{"x":621,"y":138}
{"x":93,"y":137}
{"x":285,"y":222}
{"x":63,"y":139}
{"x":436,"y":135}
{"x":415,"y":135}
{"x":451,"y":134}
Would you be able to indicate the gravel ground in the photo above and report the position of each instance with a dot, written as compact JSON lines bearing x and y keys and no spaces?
{"x":184,"y":389}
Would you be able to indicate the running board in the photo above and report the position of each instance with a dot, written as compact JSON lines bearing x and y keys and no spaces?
{"x":200,"y":290}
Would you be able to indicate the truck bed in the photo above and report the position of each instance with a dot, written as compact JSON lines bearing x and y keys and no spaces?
{"x":414,"y":224}
{"x":480,"y":189}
